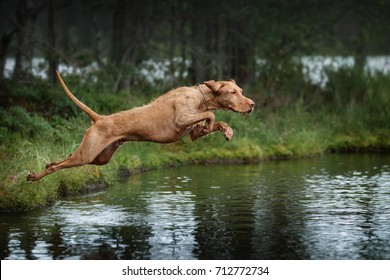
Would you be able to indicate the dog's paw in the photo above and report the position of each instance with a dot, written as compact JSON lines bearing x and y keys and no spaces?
{"x":31,"y":177}
{"x":228,"y":133}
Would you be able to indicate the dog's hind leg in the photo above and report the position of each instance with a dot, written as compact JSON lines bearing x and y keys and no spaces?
{"x":105,"y":156}
{"x":53,"y":167}
{"x":90,"y":148}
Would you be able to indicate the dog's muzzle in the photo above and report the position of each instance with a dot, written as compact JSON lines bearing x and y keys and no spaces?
{"x":251,"y":106}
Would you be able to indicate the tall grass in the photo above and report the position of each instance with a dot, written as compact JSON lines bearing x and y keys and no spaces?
{"x":352,"y":113}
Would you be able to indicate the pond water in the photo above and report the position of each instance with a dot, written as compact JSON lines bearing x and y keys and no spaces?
{"x":334,"y":207}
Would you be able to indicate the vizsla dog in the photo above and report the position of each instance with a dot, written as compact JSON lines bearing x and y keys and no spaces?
{"x":165,"y":120}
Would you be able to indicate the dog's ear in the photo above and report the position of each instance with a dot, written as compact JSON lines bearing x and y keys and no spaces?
{"x":213,"y":85}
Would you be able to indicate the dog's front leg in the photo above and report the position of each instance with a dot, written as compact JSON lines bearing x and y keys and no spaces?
{"x":184,"y":121}
{"x":226,"y":130}
{"x":199,"y":131}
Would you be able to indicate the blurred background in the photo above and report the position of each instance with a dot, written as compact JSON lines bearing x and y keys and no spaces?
{"x":170,"y":42}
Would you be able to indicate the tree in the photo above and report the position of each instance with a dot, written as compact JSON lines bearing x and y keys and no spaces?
{"x":133,"y":24}
{"x":52,"y":57}
{"x":26,"y":15}
{"x":6,"y":39}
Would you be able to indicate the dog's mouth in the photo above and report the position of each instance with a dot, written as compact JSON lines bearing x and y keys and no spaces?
{"x":243,"y":113}
{"x":250,"y":110}
{"x":247,"y":112}
{"x":243,"y":110}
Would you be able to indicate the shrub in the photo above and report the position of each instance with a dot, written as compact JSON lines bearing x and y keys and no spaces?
{"x":17,"y":120}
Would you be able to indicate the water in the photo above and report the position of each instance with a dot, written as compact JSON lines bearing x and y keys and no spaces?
{"x":335,"y":207}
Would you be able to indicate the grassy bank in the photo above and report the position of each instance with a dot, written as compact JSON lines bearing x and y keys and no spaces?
{"x":40,"y":125}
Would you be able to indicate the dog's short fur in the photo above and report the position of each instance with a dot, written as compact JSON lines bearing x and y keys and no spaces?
{"x":165,"y":120}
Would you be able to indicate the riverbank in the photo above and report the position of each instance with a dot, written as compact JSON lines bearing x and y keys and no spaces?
{"x":255,"y":139}
{"x":39,"y":125}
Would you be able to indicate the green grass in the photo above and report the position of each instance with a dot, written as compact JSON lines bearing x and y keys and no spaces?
{"x":309,"y":124}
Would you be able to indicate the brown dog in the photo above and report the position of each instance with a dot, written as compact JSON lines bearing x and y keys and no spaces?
{"x":165,"y":120}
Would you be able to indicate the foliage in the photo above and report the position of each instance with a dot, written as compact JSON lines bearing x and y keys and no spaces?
{"x":196,"y":40}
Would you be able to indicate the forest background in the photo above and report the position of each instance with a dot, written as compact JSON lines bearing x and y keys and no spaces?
{"x":319,"y":72}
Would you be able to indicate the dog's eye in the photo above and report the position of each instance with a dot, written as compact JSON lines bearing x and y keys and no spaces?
{"x":232,"y":91}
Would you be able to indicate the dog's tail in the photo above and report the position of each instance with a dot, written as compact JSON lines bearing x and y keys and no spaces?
{"x":94,"y":116}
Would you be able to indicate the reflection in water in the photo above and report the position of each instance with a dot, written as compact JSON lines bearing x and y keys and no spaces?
{"x":171,"y":216}
{"x":357,"y":223}
{"x":336,"y":207}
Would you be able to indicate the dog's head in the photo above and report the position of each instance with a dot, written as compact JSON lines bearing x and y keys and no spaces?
{"x":229,"y":96}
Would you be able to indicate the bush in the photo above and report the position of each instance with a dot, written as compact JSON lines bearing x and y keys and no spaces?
{"x":18,"y":120}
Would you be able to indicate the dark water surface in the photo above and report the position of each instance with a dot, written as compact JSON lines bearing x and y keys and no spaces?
{"x":335,"y":207}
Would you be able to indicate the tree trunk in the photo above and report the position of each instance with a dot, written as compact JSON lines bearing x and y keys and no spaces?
{"x":132,"y":27}
{"x":26,"y":15}
{"x":197,"y":68}
{"x":118,"y":41}
{"x":173,"y":41}
{"x":117,"y":46}
{"x":52,"y":58}
{"x":220,"y":32}
{"x":241,"y":53}
{"x":6,"y":39}
{"x":360,"y":51}
{"x":183,"y":37}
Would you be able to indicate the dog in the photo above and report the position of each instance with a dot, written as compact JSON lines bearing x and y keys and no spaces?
{"x":181,"y":111}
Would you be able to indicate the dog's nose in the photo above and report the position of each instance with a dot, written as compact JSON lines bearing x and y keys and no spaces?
{"x":251,"y":106}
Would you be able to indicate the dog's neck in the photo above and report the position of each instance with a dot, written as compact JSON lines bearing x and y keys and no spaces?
{"x":208,"y":98}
